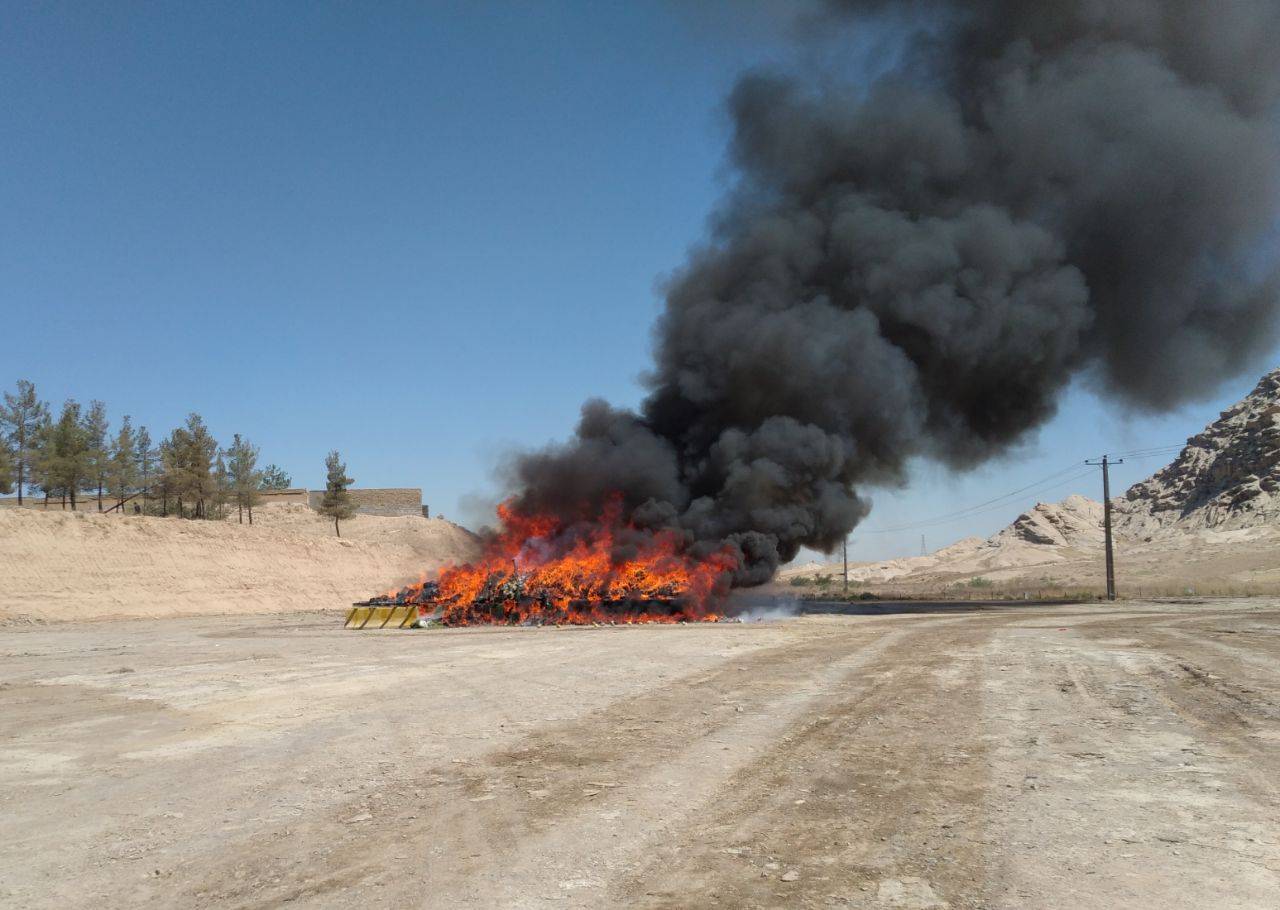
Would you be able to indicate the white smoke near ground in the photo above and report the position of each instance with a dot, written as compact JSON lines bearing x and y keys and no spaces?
{"x":747,"y":608}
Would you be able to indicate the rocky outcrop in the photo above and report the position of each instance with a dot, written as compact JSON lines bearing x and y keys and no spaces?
{"x":1227,"y":476}
{"x":1074,"y":522}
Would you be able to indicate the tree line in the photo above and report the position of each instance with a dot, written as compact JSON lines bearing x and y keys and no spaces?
{"x":75,"y":455}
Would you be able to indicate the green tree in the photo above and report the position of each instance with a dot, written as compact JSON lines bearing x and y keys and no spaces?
{"x":65,"y":455}
{"x":187,"y":457}
{"x":122,"y":476}
{"x":145,"y":459}
{"x":6,"y":469}
{"x":40,"y":479}
{"x":198,"y":463}
{"x":97,"y":449}
{"x":245,"y":476}
{"x":21,"y":416}
{"x":274,"y":478}
{"x":221,"y":485}
{"x":337,"y":502}
{"x":167,"y":472}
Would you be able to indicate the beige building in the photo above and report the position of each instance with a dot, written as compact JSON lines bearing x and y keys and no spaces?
{"x":369,"y":500}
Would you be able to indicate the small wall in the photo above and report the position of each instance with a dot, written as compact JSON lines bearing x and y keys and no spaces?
{"x":380,"y":501}
{"x":85,"y":502}
{"x":296,"y":495}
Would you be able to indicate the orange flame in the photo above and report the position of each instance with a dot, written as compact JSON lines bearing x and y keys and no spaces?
{"x":538,"y":570}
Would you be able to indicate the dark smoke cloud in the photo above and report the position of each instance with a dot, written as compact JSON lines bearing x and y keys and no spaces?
{"x":919,"y":266}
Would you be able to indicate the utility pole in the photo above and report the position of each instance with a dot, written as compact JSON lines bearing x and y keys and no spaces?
{"x":846,"y":565}
{"x":1106,"y":522}
{"x":922,"y":552}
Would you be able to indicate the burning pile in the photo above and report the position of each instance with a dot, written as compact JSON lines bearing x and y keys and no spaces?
{"x":915,"y":266}
{"x":539,"y":571}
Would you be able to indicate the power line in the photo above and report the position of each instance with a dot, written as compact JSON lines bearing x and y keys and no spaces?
{"x":975,"y":511}
{"x":1150,"y":452}
{"x":962,"y":513}
{"x":1003,"y":501}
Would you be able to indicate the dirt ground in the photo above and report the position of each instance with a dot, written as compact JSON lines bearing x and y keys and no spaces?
{"x":1038,"y":757}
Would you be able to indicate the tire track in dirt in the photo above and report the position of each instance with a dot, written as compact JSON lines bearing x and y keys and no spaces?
{"x":1229,"y":690}
{"x":833,"y":815}
{"x":1134,"y":790}
{"x":466,"y":820}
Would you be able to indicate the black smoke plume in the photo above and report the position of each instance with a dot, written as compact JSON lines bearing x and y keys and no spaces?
{"x":919,"y":266}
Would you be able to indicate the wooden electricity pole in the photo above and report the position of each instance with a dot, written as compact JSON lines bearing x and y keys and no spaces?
{"x":1106,"y":522}
{"x":846,"y":565}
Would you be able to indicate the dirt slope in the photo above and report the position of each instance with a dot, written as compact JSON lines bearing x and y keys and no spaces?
{"x":74,"y":566}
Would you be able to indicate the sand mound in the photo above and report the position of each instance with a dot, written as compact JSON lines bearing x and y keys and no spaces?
{"x":71,"y":566}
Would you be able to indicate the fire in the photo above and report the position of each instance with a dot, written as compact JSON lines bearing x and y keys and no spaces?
{"x":540,"y":571}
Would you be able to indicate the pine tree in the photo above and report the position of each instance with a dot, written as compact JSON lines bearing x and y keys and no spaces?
{"x":21,"y":415}
{"x":145,"y":459}
{"x":40,"y":479}
{"x":122,"y":476}
{"x":245,"y":476}
{"x":6,"y":469}
{"x":187,"y":457}
{"x":337,"y":502}
{"x":173,"y":459}
{"x":97,"y":450}
{"x":65,"y":455}
{"x":197,"y":463}
{"x":221,"y":484}
{"x":168,"y":477}
{"x":274,"y":478}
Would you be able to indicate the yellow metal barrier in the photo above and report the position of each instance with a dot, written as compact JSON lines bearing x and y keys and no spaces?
{"x":364,"y":616}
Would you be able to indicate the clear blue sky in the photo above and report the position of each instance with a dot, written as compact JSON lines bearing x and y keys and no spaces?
{"x":420,"y":233}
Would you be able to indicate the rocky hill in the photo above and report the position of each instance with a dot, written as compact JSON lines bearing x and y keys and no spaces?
{"x":1228,"y":476}
{"x":1208,"y":521}
{"x":1074,"y":522}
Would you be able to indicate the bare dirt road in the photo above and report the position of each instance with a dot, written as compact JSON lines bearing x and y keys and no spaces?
{"x":1072,"y":757}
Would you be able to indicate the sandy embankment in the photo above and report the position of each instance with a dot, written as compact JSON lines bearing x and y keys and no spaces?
{"x":65,"y":566}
